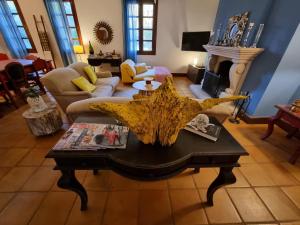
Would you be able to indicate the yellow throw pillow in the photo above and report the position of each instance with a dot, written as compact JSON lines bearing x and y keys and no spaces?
{"x":91,"y":74}
{"x":140,"y":69}
{"x":83,"y":84}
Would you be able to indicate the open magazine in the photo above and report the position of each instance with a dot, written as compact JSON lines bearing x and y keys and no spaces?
{"x":92,"y":136}
{"x":204,"y":128}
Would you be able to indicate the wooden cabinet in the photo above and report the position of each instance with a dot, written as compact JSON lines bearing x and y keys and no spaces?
{"x":195,"y":73}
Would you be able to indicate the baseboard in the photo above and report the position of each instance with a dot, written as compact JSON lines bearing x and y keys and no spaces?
{"x":179,"y":74}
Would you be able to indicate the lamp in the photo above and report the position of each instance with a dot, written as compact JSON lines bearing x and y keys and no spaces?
{"x":195,"y":61}
{"x":78,"y":49}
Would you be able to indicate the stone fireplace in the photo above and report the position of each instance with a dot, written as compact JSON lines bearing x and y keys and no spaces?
{"x":241,"y":60}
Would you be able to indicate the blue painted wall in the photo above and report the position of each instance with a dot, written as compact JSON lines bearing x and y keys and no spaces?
{"x":281,"y":18}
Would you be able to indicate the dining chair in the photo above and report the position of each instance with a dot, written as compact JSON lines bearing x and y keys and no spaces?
{"x":3,"y":56}
{"x":40,"y":68}
{"x":5,"y":93}
{"x":16,"y":77}
{"x":31,"y":57}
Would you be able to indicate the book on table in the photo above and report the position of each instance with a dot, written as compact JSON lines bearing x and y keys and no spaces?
{"x":211,"y":131}
{"x":92,"y":136}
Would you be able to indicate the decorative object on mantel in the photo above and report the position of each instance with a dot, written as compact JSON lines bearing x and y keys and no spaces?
{"x":34,"y":100}
{"x":45,"y":122}
{"x":103,"y":32}
{"x":91,"y":49}
{"x":235,"y":29}
{"x":296,"y":106}
{"x":258,"y":34}
{"x":217,"y":40}
{"x":159,"y":117}
{"x":245,"y":41}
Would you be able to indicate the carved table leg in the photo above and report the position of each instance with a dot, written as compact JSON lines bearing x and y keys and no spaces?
{"x":271,"y":123}
{"x":295,"y":156}
{"x":225,"y":177}
{"x":292,"y":133}
{"x":69,"y":181}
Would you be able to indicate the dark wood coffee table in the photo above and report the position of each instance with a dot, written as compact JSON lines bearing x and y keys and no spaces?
{"x":152,"y":162}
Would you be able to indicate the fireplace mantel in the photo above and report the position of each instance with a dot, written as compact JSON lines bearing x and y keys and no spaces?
{"x":242,"y":59}
{"x":241,"y":55}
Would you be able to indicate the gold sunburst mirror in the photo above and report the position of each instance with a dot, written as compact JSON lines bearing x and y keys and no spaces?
{"x":103,"y":32}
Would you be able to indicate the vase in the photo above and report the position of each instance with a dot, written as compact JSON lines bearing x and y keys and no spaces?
{"x":36,"y":104}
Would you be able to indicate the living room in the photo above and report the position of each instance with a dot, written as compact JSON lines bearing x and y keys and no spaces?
{"x":149,"y":112}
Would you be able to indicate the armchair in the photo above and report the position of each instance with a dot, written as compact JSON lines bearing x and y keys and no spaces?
{"x":129,"y":74}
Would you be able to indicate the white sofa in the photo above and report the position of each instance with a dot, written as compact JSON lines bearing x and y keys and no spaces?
{"x":58,"y":83}
{"x":81,"y":108}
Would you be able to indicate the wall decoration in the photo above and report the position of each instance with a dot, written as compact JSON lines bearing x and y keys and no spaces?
{"x":103,"y":32}
{"x":159,"y":117}
{"x":258,"y":34}
{"x":235,"y":29}
{"x":245,"y":41}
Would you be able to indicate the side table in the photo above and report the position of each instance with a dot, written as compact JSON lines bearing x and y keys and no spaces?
{"x":45,"y":122}
{"x":195,"y":73}
{"x":145,"y":89}
{"x":291,"y":118}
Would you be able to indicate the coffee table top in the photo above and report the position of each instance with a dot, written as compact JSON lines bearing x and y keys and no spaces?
{"x":188,"y":147}
{"x":142,"y":86}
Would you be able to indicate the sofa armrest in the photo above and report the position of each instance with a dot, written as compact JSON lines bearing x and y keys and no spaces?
{"x":77,"y":93}
{"x":104,"y":74}
{"x":83,"y":107}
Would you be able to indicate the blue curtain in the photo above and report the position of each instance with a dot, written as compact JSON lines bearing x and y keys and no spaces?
{"x":130,"y":20}
{"x":59,"y":23}
{"x":10,"y":32}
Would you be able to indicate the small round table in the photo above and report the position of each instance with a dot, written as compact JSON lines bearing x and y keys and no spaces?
{"x":45,"y":122}
{"x":144,"y":88}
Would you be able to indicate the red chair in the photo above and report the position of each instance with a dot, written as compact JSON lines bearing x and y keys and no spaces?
{"x":41,"y":68}
{"x":3,"y":56}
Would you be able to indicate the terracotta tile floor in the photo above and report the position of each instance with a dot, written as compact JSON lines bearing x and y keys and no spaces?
{"x":267,"y":190}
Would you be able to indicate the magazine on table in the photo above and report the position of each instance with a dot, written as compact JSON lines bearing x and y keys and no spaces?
{"x":209,"y":131}
{"x":92,"y":136}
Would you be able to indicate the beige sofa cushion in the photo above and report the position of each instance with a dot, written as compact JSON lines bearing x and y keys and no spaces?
{"x":79,"y":67}
{"x":60,"y":80}
{"x":102,"y":91}
{"x":111,"y":81}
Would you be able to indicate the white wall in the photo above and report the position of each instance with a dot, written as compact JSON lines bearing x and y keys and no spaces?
{"x":3,"y":48}
{"x":175,"y":17}
{"x":90,"y":12}
{"x":286,"y":80}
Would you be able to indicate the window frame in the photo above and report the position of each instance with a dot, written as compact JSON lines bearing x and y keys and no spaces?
{"x":141,"y":28}
{"x":77,"y":27}
{"x":20,"y":14}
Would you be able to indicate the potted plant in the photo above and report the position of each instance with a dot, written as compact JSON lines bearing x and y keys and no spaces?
{"x":34,"y":100}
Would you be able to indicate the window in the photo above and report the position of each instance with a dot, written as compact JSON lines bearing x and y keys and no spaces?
{"x":21,"y":24}
{"x":145,"y":24}
{"x":73,"y":24}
